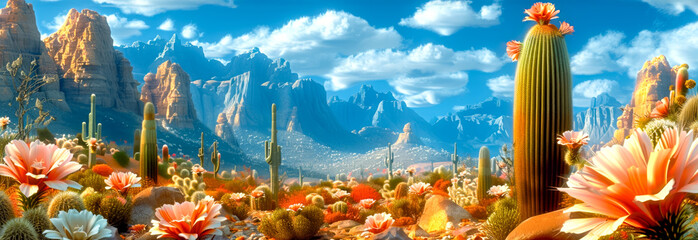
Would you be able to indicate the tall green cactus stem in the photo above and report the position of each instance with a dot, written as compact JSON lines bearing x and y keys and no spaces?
{"x":454,"y":159}
{"x":149,"y":145}
{"x":92,"y":134}
{"x":389,"y":158}
{"x":216,"y":159}
{"x":272,"y":154}
{"x":689,"y":112}
{"x":484,"y":173}
{"x":681,"y":78}
{"x":201,"y":150}
{"x":165,"y":154}
{"x":136,"y":142}
{"x":300,"y":176}
{"x":542,"y":110}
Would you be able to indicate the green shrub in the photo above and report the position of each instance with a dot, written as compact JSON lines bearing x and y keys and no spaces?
{"x":395,"y":181}
{"x":238,"y":208}
{"x":501,"y":223}
{"x":18,"y":229}
{"x":45,"y":136}
{"x":288,"y":225}
{"x":411,"y":206}
{"x":65,"y":201}
{"x":38,"y":219}
{"x":122,"y":158}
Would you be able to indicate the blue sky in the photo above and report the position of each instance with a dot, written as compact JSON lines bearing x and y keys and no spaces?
{"x":436,"y":55}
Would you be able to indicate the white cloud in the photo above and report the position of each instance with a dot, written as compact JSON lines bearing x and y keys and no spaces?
{"x":674,"y":7}
{"x":584,"y":91}
{"x":424,"y":75}
{"x":57,"y":22}
{"x":167,"y":25}
{"x":122,"y":28}
{"x":457,"y":108}
{"x":608,"y":52}
{"x":190,"y":31}
{"x":502,"y":86}
{"x":152,"y":7}
{"x":447,"y":17}
{"x":313,"y":45}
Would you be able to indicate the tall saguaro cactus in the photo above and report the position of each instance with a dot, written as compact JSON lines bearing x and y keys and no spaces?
{"x":149,"y":145}
{"x":216,"y":159}
{"x":454,"y":159}
{"x":272,"y":154}
{"x":92,"y":133}
{"x":389,"y":158}
{"x":300,"y":176}
{"x":136,"y":142}
{"x":484,"y":174}
{"x":201,"y":150}
{"x":542,"y":110}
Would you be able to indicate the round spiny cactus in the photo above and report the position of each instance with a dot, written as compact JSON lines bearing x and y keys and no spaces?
{"x":38,"y":219}
{"x":65,"y":201}
{"x":198,"y":196}
{"x":18,"y":229}
{"x":6,"y":211}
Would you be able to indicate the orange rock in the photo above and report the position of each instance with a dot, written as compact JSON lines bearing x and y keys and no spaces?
{"x":544,"y":226}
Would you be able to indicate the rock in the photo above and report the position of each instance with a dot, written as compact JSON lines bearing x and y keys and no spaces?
{"x":440,"y":210}
{"x":418,"y":232}
{"x":599,"y":120}
{"x":544,"y":226}
{"x":393,"y":233}
{"x":651,"y":85}
{"x":145,"y":203}
{"x":407,"y":136}
{"x":19,"y":35}
{"x":169,"y":91}
{"x":345,"y":224}
{"x":84,"y":51}
{"x":224,"y":130}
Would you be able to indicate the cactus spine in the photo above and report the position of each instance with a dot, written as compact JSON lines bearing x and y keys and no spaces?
{"x":149,"y":145}
{"x":389,"y":158}
{"x":272,"y":154}
{"x":92,"y":133}
{"x":484,"y":174}
{"x":136,"y":143}
{"x":300,"y":176}
{"x":454,"y":159}
{"x":201,"y":150}
{"x":216,"y":159}
{"x":542,"y":110}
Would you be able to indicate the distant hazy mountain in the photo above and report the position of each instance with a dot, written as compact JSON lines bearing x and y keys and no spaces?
{"x":599,"y":120}
{"x":485,"y":123}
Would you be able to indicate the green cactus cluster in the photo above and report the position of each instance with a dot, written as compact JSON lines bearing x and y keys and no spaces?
{"x":113,"y":207}
{"x":463,"y":193}
{"x":197,"y":196}
{"x":388,"y":161}
{"x":188,"y":186}
{"x":149,"y":145}
{"x":484,"y":176}
{"x":291,"y":225}
{"x":272,"y":154}
{"x":542,"y":110}
{"x":265,"y":202}
{"x":6,"y":209}
{"x":318,"y":201}
{"x":238,"y":208}
{"x":18,"y":229}
{"x":65,"y":201}
{"x":39,"y":220}
{"x":90,"y":179}
{"x":340,"y":206}
{"x":93,"y":133}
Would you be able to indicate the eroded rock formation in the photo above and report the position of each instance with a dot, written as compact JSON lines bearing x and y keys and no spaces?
{"x":407,"y":136}
{"x":168,"y":90}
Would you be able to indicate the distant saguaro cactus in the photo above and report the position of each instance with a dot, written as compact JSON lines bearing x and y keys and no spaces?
{"x":484,"y":176}
{"x":201,"y":150}
{"x":272,"y":154}
{"x":216,"y":159}
{"x":454,"y":159}
{"x":91,"y":132}
{"x":389,"y":158}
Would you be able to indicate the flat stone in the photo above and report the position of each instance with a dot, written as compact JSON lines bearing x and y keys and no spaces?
{"x":544,"y":226}
{"x":344,"y":224}
{"x":440,"y":210}
{"x":145,"y":203}
{"x":393,"y":233}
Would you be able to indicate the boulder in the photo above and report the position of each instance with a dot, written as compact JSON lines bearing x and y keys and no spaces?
{"x":440,"y":210}
{"x":145,"y":203}
{"x":394,"y":233}
{"x":544,"y":226}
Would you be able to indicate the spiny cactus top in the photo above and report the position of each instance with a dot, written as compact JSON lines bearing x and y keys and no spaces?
{"x":540,"y":13}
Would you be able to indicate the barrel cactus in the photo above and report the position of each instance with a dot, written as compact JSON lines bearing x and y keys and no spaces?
{"x":65,"y":201}
{"x":18,"y":229}
{"x":484,"y":176}
{"x":542,"y":110}
{"x":6,"y":211}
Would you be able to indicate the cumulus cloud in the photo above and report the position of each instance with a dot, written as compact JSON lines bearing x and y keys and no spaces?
{"x":584,"y":91}
{"x":167,"y":25}
{"x":424,"y":75}
{"x":152,"y":7}
{"x":502,"y":86}
{"x":122,"y":28}
{"x":57,"y":22}
{"x":447,"y":17}
{"x":312,"y":44}
{"x":674,"y":7}
{"x":190,"y":31}
{"x":679,"y":45}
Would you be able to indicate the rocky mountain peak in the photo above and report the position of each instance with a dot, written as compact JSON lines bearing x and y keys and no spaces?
{"x":168,"y":90}
{"x":407,"y":136}
{"x":604,"y":100}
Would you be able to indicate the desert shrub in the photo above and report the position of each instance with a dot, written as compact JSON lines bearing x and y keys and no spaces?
{"x":432,"y":177}
{"x":404,"y":221}
{"x":441,"y":187}
{"x":324,"y":184}
{"x":238,"y":208}
{"x":122,"y":158}
{"x":501,"y":223}
{"x":477,"y":211}
{"x":294,"y":198}
{"x":363,"y":191}
{"x":352,"y":213}
{"x":45,"y":136}
{"x":102,"y":169}
{"x":411,"y":206}
{"x":395,"y":181}
{"x":287,"y":225}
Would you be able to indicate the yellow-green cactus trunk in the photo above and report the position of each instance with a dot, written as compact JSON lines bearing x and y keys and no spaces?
{"x":542,"y":110}
{"x":149,"y":145}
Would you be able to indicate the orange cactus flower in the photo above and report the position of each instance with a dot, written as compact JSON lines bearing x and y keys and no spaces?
{"x":122,"y":181}
{"x":513,"y":49}
{"x":138,"y":228}
{"x":572,"y":139}
{"x":635,"y":184}
{"x":661,"y":108}
{"x":420,"y":188}
{"x":38,"y":167}
{"x":238,"y":196}
{"x":541,"y":13}
{"x":296,"y":207}
{"x":566,"y":28}
{"x":367,"y":203}
{"x":379,"y":222}
{"x":4,"y":121}
{"x":188,"y":220}
{"x":257,"y":194}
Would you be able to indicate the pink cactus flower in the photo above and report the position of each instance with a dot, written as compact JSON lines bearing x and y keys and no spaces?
{"x":513,"y":50}
{"x":198,"y":170}
{"x":188,"y":220}
{"x":572,"y":139}
{"x":340,"y":194}
{"x":661,"y":108}
{"x":499,"y":190}
{"x":296,"y":207}
{"x":379,"y":222}
{"x":634,"y":184}
{"x":367,"y":203}
{"x":566,"y":29}
{"x":122,"y":181}
{"x":38,"y":167}
{"x":257,"y":194}
{"x":420,"y":188}
{"x":238,"y":196}
{"x":411,"y":170}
